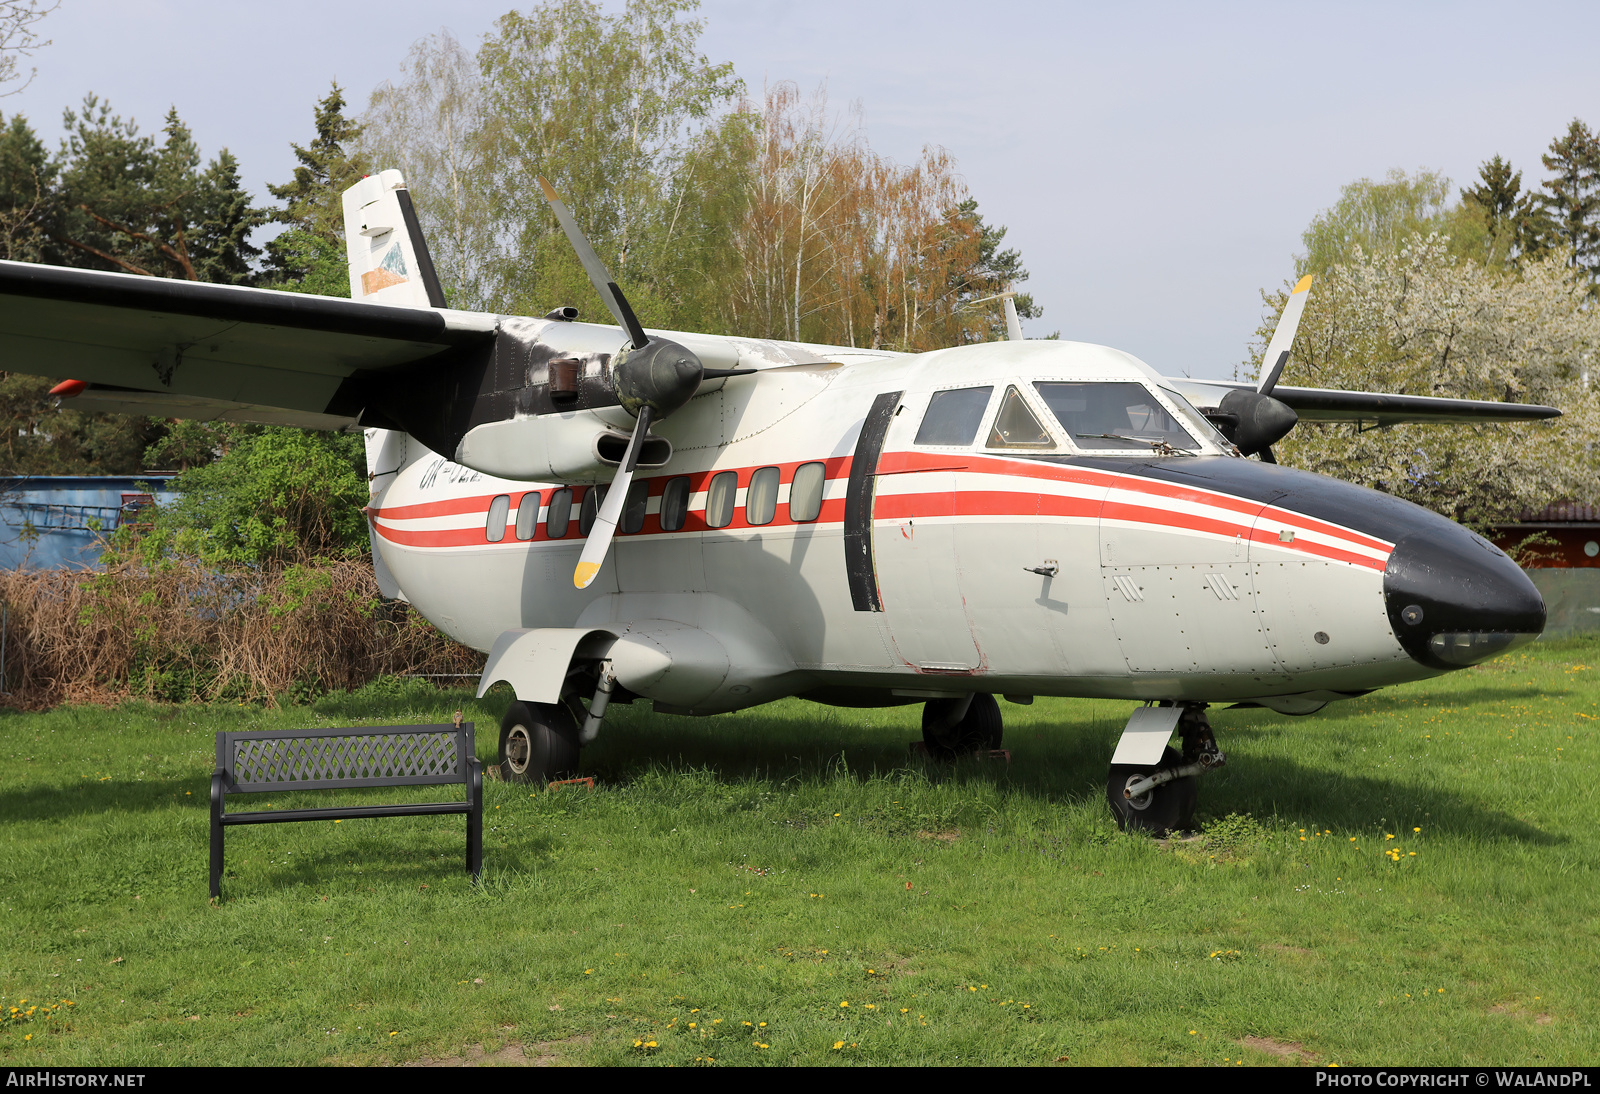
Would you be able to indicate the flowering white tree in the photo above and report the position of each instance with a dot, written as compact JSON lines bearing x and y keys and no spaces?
{"x":1422,"y":321}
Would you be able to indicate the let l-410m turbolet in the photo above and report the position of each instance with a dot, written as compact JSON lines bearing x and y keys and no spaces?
{"x":709,"y":523}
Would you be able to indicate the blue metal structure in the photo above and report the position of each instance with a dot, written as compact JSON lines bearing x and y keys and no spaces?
{"x":50,"y":522}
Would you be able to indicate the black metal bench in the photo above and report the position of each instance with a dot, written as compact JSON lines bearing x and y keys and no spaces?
{"x":335,"y":759}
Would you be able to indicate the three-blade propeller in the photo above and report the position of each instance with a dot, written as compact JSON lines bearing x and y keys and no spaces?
{"x":1263,"y":420}
{"x":652,"y":377}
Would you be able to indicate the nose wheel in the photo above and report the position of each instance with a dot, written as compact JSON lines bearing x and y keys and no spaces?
{"x":1160,"y":810}
{"x":1160,"y":797}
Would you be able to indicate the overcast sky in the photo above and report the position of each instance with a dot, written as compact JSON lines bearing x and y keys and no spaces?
{"x":1154,"y":162}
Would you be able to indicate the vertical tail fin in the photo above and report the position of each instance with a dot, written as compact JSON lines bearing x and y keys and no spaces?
{"x":389,"y":260}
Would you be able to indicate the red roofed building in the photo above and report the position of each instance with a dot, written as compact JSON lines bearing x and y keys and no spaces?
{"x":1564,"y":562}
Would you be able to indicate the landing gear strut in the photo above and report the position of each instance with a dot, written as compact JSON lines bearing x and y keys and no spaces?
{"x":1160,"y":798}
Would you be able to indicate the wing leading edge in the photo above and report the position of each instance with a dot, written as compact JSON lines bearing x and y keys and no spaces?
{"x":1367,"y":408}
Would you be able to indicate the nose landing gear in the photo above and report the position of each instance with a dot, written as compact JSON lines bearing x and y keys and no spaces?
{"x":1158,"y":793}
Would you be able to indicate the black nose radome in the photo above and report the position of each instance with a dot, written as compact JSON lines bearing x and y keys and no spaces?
{"x":1455,"y":599}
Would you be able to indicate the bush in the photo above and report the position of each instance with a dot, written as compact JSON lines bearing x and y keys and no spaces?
{"x":155,"y":626}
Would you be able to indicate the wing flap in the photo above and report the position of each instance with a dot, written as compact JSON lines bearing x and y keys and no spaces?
{"x":165,"y":404}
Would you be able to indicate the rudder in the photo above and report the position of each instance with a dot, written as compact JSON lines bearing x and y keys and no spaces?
{"x":389,"y":259}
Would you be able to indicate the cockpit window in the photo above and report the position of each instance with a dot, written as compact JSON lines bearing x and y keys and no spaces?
{"x":953,"y":416}
{"x":1016,"y":427}
{"x":1121,"y":417}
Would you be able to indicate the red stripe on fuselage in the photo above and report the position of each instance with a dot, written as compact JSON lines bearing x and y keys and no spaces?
{"x":964,"y":503}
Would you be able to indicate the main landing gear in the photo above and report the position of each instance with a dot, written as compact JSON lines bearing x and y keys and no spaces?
{"x":539,"y":742}
{"x":963,"y":726}
{"x":1157,"y":791}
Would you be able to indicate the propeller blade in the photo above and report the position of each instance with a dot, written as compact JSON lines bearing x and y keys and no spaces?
{"x":610,"y":515}
{"x":1277,"y":354}
{"x":1013,"y":324}
{"x":599,"y":276}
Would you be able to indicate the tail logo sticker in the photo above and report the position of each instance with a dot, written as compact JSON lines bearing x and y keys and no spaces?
{"x":391,"y":271}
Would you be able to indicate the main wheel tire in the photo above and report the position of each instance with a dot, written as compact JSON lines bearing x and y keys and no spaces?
{"x":979,"y":730}
{"x":538,"y":743}
{"x":1166,"y":809}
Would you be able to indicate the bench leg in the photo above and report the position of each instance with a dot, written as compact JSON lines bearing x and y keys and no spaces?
{"x":216,"y":837}
{"x":475,"y":823}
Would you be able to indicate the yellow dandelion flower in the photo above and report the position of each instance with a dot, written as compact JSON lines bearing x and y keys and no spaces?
{"x":838,"y":1045}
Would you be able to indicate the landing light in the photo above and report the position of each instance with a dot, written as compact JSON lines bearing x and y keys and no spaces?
{"x":1471,"y":647}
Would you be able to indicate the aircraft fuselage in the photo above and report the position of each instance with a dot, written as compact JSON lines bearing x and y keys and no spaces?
{"x":800,"y":522}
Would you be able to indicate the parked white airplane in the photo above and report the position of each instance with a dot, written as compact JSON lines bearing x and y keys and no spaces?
{"x":855,"y":527}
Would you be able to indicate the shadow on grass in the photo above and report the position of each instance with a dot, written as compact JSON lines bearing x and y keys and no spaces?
{"x":1060,"y":753}
{"x":418,"y":859}
{"x":1065,"y":763}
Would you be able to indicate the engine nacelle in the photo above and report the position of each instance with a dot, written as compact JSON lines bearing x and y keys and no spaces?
{"x":578,"y":447}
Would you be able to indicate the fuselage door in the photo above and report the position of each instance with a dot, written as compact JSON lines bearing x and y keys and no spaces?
{"x":914,"y":542}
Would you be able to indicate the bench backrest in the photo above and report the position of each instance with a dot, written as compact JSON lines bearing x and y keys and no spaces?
{"x":331,"y":758}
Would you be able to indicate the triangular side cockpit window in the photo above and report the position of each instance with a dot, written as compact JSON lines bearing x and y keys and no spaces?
{"x":1016,"y":426}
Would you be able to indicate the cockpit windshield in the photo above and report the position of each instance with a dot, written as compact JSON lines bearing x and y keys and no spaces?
{"x":1115,"y":417}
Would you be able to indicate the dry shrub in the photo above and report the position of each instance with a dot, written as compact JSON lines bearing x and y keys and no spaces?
{"x":175,"y":631}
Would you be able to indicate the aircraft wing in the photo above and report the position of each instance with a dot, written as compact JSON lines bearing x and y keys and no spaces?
{"x":1367,"y":408}
{"x":152,"y":345}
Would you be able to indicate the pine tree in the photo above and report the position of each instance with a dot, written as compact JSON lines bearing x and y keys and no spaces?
{"x":994,"y":271}
{"x":111,"y":199}
{"x":1573,"y":195}
{"x":129,"y":204}
{"x":1515,"y":223}
{"x":27,"y":180}
{"x":310,"y":256}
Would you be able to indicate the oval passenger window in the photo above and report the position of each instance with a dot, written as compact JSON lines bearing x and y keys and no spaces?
{"x":720,"y":498}
{"x":559,"y":515}
{"x":528,"y":514}
{"x":761,"y":499}
{"x":498,"y":509}
{"x":589,"y":508}
{"x":805,"y":493}
{"x":634,"y":508}
{"x":675,"y":504}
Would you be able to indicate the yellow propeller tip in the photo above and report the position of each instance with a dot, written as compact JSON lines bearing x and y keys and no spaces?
{"x":549,"y":191}
{"x":584,"y":574}
{"x":1304,"y":284}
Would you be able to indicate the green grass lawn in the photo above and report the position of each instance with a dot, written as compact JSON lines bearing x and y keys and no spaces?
{"x":786,"y":886}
